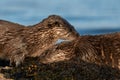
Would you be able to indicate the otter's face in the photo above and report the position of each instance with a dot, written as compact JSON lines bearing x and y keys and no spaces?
{"x":60,"y":52}
{"x":61,"y":28}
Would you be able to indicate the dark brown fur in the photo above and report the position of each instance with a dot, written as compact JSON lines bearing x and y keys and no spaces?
{"x":99,"y":49}
{"x":18,"y":41}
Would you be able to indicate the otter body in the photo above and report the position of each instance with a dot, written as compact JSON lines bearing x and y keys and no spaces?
{"x":98,"y":49}
{"x":19,"y":41}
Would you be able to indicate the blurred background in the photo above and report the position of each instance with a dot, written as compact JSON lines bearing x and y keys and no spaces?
{"x":87,"y":16}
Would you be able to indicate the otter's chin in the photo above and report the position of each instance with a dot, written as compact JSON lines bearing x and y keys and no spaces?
{"x":44,"y":61}
{"x":50,"y":61}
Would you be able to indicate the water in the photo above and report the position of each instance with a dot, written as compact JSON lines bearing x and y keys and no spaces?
{"x":88,"y":16}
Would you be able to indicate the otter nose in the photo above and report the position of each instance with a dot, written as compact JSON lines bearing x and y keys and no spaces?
{"x":77,"y":35}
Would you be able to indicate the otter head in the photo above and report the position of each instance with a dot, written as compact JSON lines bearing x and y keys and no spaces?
{"x":61,"y":28}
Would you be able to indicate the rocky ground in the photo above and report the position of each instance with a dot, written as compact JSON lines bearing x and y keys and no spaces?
{"x":67,"y":70}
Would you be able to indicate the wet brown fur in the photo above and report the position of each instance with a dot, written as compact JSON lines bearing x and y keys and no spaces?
{"x":100,"y":49}
{"x":18,"y":41}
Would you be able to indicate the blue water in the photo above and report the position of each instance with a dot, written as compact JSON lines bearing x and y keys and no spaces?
{"x":87,"y":16}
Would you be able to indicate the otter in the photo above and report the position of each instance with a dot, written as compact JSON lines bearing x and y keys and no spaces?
{"x":19,"y":41}
{"x":101,"y":49}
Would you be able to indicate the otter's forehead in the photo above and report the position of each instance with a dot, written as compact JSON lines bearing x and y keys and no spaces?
{"x":54,"y":17}
{"x":57,"y":18}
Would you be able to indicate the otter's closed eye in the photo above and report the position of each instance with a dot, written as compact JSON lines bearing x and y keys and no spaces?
{"x":57,"y":24}
{"x":70,"y":30}
{"x":53,"y":24}
{"x":49,"y":25}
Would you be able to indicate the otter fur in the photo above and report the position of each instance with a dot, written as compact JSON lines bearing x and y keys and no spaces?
{"x":99,"y":49}
{"x":19,"y":41}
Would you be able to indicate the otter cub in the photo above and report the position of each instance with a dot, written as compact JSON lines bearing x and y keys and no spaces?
{"x":99,"y":49}
{"x":18,"y":41}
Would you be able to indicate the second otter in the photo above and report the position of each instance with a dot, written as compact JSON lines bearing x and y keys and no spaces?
{"x":99,"y":49}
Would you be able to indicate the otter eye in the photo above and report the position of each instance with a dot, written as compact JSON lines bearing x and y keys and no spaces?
{"x":57,"y":24}
{"x":70,"y":30}
{"x":49,"y":25}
